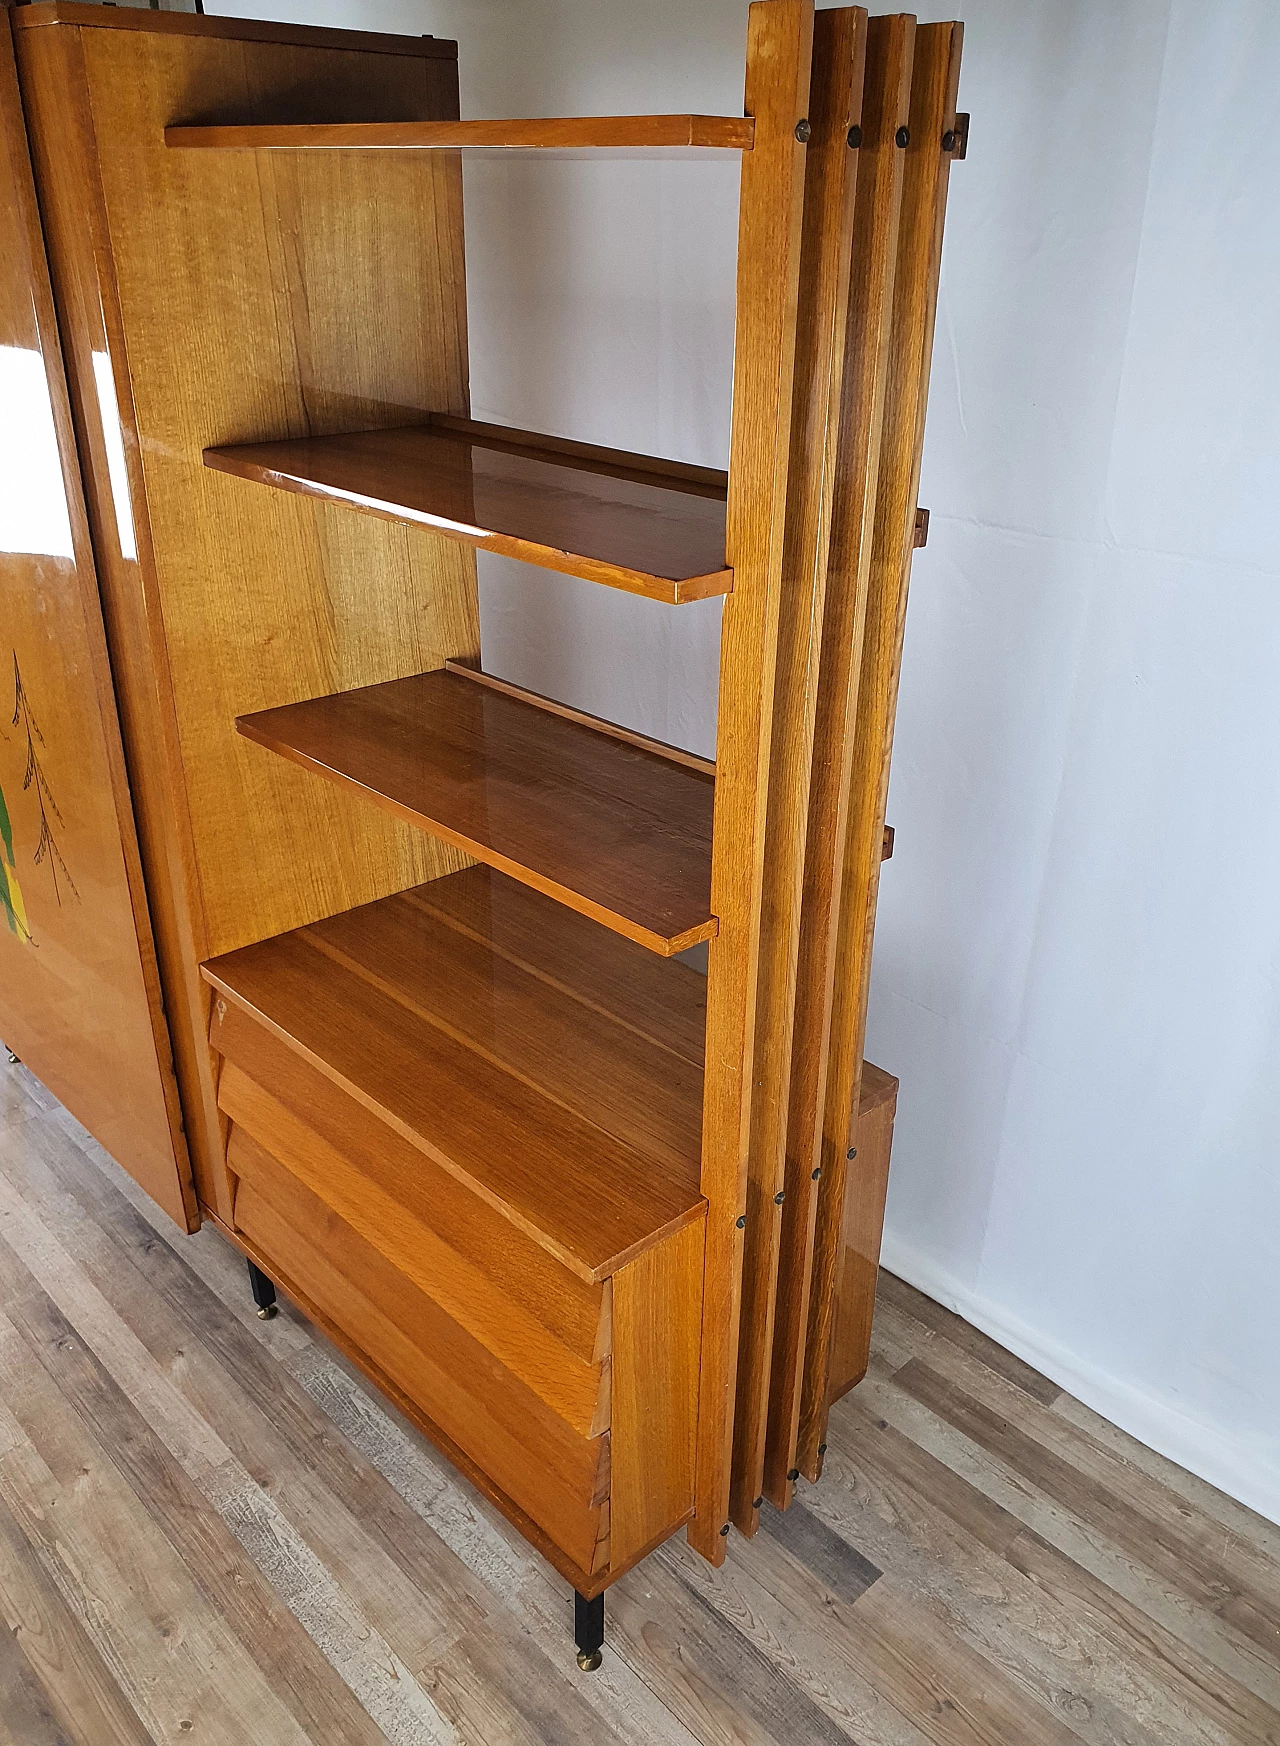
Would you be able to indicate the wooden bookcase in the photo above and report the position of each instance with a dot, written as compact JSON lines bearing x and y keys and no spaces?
{"x":443,"y":1076}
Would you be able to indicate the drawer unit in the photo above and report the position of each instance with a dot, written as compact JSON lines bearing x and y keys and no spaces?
{"x":564,"y":1371}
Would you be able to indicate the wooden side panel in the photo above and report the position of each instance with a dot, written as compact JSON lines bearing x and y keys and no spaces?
{"x":779,"y":50}
{"x":871,"y":1138}
{"x":886,"y":105}
{"x":835,"y":105}
{"x":80,"y":997}
{"x":657,"y":1314}
{"x":934,"y":87}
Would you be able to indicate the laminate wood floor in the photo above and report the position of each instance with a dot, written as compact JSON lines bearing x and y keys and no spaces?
{"x":212,"y":1531}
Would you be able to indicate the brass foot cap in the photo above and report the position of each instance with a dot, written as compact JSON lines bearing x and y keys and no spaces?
{"x":589,"y":1663}
{"x":268,"y":1312}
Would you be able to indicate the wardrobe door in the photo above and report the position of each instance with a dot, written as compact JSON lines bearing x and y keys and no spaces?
{"x":79,"y":991}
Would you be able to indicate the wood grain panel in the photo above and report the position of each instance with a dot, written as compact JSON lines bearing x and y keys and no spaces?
{"x":662,"y":1000}
{"x":779,"y":52}
{"x":657,"y":1327}
{"x":588,"y":1198}
{"x":886,"y":105}
{"x":831,"y":172}
{"x":935,"y":82}
{"x":616,"y":831}
{"x":233,"y":290}
{"x":608,"y":524}
{"x":621,"y":1082}
{"x":733,"y":132}
{"x":80,"y":992}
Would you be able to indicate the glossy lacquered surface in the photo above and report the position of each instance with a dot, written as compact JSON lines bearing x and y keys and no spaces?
{"x":636,"y":530}
{"x":571,"y":1108}
{"x":614,"y":831}
{"x":732,"y":132}
{"x":80,"y":997}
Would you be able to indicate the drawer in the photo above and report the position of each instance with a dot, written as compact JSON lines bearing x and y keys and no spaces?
{"x":330,"y":1122}
{"x":405,"y":1231}
{"x":558,"y":1476}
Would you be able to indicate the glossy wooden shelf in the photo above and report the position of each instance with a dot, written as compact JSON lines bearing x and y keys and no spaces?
{"x":618,"y":829}
{"x":722,"y":132}
{"x":554,"y":1069}
{"x":650,"y":527}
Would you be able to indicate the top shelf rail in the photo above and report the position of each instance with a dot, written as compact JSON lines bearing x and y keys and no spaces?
{"x":566,"y":133}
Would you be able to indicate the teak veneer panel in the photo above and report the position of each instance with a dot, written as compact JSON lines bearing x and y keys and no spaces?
{"x":935,"y":83}
{"x":480,"y":1096}
{"x":732,"y":132}
{"x":619,"y":833}
{"x":838,"y":640}
{"x":606,"y":520}
{"x":622,"y":983}
{"x":831,"y":173}
{"x":232,"y":291}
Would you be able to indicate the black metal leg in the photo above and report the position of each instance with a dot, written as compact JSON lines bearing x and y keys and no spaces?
{"x":588,"y":1630}
{"x":264,"y":1293}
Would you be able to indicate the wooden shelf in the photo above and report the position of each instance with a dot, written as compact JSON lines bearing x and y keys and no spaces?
{"x":618,"y":829}
{"x":716,"y":132}
{"x":554,"y":1069}
{"x":651,"y":527}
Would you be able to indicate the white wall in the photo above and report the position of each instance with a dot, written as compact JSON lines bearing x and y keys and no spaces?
{"x":1079,"y":943}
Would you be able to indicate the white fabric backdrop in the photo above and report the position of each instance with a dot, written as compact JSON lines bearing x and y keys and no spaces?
{"x":1079,"y":942}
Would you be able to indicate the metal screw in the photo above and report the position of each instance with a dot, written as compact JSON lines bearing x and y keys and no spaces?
{"x":724,"y":1532}
{"x":803,"y":130}
{"x":903,"y":137}
{"x":757,"y":1502}
{"x":852,"y":1152}
{"x":779,"y":1197}
{"x":742,"y":1222}
{"x":855,"y":137}
{"x":822,"y":1448}
{"x":949,"y":139}
{"x":817,"y":1173}
{"x":794,"y":1475}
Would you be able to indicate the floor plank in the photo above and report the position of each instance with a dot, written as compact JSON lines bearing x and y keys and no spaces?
{"x":212,"y":1529}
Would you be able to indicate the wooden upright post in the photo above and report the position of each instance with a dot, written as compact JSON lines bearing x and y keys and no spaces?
{"x":932,"y":140}
{"x":831,"y":173}
{"x":779,"y":49}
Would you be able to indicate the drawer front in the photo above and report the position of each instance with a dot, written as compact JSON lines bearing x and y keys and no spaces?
{"x":575,"y":1388}
{"x":559,"y":1477}
{"x":570,"y":1308}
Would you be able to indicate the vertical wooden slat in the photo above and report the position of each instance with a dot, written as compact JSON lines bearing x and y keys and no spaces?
{"x":779,"y":47}
{"x":886,"y":101}
{"x":933,"y":108}
{"x":835,"y":104}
